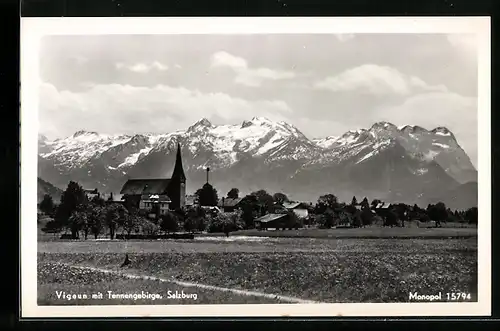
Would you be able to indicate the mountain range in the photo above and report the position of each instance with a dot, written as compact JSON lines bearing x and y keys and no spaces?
{"x":405,"y":164}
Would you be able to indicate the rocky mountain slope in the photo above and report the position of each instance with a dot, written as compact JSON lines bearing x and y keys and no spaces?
{"x":47,"y":188}
{"x":405,"y":164}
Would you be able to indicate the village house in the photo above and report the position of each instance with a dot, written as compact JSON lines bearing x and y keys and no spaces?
{"x":382,"y":209}
{"x":160,"y":193}
{"x":157,"y":205}
{"x":300,"y":209}
{"x":229,"y":205}
{"x":191,"y":200}
{"x":90,"y":194}
{"x":272,"y":221}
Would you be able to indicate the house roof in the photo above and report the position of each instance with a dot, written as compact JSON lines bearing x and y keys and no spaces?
{"x":158,"y":197}
{"x":269,"y":218}
{"x":228,"y":202}
{"x":210,"y":208}
{"x":382,"y":205}
{"x":91,"y":191}
{"x":291,"y":205}
{"x":145,"y":186}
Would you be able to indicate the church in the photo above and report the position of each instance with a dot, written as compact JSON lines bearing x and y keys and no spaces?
{"x":158,"y":195}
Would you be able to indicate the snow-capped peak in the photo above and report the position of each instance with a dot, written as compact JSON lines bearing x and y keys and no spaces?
{"x":413,"y":129}
{"x":260,"y":119}
{"x":384,"y":125}
{"x":441,"y":131}
{"x":203,"y":122}
{"x":84,"y":133}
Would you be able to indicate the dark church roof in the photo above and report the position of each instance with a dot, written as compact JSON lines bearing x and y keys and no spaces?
{"x":178,"y":168}
{"x":145,"y":186}
{"x":155,"y":186}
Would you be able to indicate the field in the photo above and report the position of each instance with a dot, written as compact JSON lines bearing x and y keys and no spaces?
{"x":252,"y":269}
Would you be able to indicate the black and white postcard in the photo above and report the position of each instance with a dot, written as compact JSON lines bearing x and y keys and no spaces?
{"x":255,"y":167}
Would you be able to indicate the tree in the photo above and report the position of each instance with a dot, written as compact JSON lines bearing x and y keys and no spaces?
{"x":115,"y":215}
{"x":51,"y":227}
{"x":329,"y":200}
{"x":47,"y":205}
{"x":280,"y":198}
{"x":327,"y":218}
{"x":131,"y":222}
{"x":72,"y":198}
{"x":79,"y":221}
{"x":345,"y":218}
{"x":366,"y":216}
{"x":96,"y":219}
{"x":233,"y":193}
{"x":250,"y":210}
{"x":354,"y":201}
{"x":356,"y":219}
{"x":402,"y":211}
{"x":207,"y":195}
{"x":391,"y":218}
{"x":471,"y":215}
{"x":264,"y":201}
{"x":225,"y":222}
{"x":189,"y":224}
{"x":169,"y":222}
{"x":437,"y":213}
{"x":364,"y":203}
{"x":98,"y":201}
{"x":195,"y":219}
{"x":149,"y":228}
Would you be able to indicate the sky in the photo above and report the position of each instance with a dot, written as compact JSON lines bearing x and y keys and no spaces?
{"x":324,"y":84}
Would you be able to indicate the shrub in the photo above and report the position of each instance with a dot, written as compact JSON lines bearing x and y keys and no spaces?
{"x":147,"y":227}
{"x":225,"y":222}
{"x":169,"y":222}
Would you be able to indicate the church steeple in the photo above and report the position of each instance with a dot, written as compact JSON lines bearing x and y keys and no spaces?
{"x":178,"y":169}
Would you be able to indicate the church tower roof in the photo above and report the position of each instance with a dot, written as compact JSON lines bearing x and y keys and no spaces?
{"x":178,"y":168}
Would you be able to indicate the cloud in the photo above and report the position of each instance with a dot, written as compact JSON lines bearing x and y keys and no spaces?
{"x":467,"y":41}
{"x":80,"y":60}
{"x":142,"y":67}
{"x":244,"y":74}
{"x":116,"y":108}
{"x":466,"y":44}
{"x":375,"y":79}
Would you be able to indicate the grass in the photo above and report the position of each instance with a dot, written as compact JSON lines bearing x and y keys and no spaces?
{"x":364,"y":233}
{"x":326,"y":270}
{"x":56,"y":278}
{"x":412,"y":229}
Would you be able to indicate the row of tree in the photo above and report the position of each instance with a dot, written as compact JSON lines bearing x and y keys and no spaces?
{"x":77,"y":214}
{"x":329,"y":212}
{"x":80,"y":215}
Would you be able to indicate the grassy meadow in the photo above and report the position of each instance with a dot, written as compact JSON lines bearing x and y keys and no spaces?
{"x":331,"y":267}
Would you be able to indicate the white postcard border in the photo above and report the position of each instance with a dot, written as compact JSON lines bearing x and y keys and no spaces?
{"x":33,"y":29}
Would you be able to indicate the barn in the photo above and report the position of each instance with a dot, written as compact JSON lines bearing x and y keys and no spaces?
{"x":229,"y":205}
{"x":299,"y":208}
{"x":272,"y":221}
